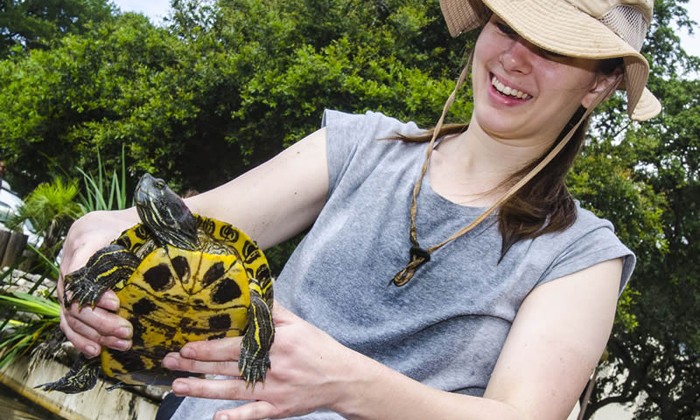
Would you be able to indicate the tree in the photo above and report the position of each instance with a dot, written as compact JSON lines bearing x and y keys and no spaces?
{"x":653,"y":356}
{"x":36,"y":23}
{"x":223,"y":88}
{"x":226,"y":84}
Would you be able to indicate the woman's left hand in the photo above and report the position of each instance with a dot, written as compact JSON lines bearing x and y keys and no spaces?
{"x":309,"y":371}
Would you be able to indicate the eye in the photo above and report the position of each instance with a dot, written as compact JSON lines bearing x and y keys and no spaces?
{"x":505,"y":29}
{"x":552,"y":55}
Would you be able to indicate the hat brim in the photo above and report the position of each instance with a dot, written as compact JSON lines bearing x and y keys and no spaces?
{"x":559,"y":27}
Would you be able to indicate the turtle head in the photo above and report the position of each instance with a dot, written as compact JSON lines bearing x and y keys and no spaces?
{"x":165,"y":213}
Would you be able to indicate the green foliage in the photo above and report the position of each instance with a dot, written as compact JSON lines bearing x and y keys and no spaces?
{"x":18,"y":336}
{"x":28,"y":24}
{"x":222,"y":88}
{"x":226,"y":84}
{"x":47,"y":203}
{"x":51,"y":209}
{"x":654,"y":202}
{"x":104,"y":193}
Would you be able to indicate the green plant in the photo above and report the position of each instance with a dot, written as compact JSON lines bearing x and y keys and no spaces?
{"x":31,"y":321}
{"x":104,"y":193}
{"x":51,"y":208}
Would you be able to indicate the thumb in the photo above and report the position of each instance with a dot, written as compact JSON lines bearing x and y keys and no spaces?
{"x":282,"y":315}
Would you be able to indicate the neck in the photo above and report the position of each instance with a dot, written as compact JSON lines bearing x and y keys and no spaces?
{"x":470,"y":168}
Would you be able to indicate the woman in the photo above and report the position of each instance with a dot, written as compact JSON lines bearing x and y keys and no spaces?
{"x":450,"y":279}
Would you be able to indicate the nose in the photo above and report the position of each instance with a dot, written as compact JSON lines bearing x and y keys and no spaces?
{"x":518,"y":56}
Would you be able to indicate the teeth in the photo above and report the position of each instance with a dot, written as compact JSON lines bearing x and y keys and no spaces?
{"x":507,"y":90}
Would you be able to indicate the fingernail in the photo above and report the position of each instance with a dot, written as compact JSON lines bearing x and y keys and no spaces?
{"x":112,"y":304}
{"x":92,"y":350}
{"x":124,"y":332}
{"x":188,"y":353}
{"x":180,"y":388}
{"x":122,"y":344}
{"x":170,"y":362}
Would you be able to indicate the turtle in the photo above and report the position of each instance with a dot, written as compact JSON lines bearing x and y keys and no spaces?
{"x":180,"y":277}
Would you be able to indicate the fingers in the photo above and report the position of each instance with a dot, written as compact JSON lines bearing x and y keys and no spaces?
{"x":228,"y":389}
{"x":174,"y":361}
{"x":250,"y":411}
{"x":221,"y":350}
{"x":210,"y":357}
{"x":89,"y":329}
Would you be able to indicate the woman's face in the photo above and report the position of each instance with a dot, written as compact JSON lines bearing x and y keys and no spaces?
{"x":522,"y":92}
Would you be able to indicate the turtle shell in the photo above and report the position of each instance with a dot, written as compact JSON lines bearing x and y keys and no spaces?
{"x":176,"y":296}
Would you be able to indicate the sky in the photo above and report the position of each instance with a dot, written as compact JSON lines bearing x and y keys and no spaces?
{"x":157,"y":9}
{"x":154,"y":9}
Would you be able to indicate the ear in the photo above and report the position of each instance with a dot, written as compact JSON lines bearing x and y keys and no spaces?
{"x":603,"y":86}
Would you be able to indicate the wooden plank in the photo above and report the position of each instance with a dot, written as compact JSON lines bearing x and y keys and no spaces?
{"x":98,"y":403}
{"x":4,"y":239}
{"x":15,"y":246}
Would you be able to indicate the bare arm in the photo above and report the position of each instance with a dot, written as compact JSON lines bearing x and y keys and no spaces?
{"x":556,"y":340}
{"x":276,"y":200}
{"x":271,"y":203}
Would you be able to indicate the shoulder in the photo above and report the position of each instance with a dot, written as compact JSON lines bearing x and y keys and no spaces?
{"x":359,"y":143}
{"x":338,"y":122}
{"x":589,"y":241}
{"x":347,"y":132}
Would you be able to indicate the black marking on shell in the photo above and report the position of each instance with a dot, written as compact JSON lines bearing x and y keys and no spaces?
{"x":128,"y":359}
{"x":251,"y":252}
{"x":263,"y":272}
{"x":229,"y":233}
{"x":124,"y":241}
{"x":182,"y":268}
{"x":225,"y":291}
{"x":207,"y":225}
{"x":220,"y":322}
{"x":138,"y":330}
{"x":144,"y":307}
{"x":158,"y":277}
{"x":186,"y":324}
{"x":213,"y":273}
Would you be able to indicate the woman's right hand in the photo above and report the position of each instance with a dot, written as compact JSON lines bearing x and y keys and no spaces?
{"x":91,"y":328}
{"x":272,"y":203}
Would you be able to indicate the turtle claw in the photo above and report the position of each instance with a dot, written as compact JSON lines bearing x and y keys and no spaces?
{"x":84,"y":293}
{"x":253,"y":369}
{"x":255,"y":347}
{"x":108,"y":267}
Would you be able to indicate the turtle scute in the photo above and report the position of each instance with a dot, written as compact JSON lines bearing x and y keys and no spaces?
{"x":180,"y":277}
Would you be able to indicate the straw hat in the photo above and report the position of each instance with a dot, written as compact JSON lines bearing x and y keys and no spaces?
{"x":596,"y":29}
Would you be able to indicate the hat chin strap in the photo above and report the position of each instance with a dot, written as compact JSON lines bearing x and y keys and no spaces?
{"x":537,"y":169}
{"x":420,"y":255}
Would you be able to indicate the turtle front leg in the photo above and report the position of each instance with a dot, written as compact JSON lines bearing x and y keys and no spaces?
{"x":81,"y":377}
{"x":259,"y":335}
{"x":108,"y":268}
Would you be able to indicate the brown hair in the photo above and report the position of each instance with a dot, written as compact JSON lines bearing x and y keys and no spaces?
{"x":544,"y":204}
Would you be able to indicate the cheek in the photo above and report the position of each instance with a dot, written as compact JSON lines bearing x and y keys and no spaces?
{"x":565,"y":77}
{"x":486,"y":46}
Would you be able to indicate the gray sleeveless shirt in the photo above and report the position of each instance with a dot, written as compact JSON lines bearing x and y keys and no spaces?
{"x":447,"y":326}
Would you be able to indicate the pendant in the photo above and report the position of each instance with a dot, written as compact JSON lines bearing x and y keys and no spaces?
{"x":418,"y":257}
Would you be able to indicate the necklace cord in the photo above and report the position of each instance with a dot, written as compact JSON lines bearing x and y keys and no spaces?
{"x":418,"y":255}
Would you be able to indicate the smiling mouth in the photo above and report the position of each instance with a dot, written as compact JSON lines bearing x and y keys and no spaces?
{"x":507,"y":90}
